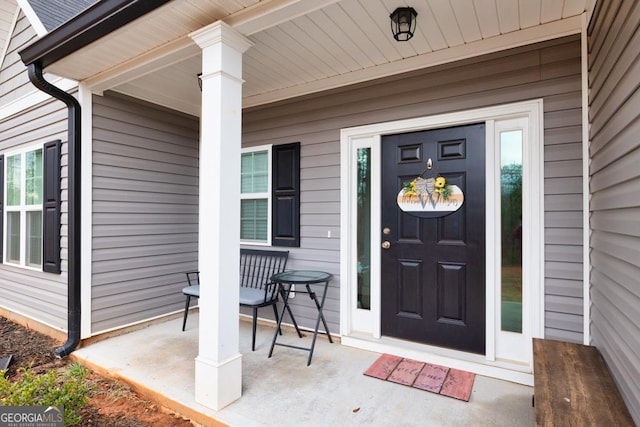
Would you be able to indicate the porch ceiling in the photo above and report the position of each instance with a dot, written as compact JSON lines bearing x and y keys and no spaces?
{"x":305,"y":46}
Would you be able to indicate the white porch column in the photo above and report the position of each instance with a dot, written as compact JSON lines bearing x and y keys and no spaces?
{"x":218,"y":370}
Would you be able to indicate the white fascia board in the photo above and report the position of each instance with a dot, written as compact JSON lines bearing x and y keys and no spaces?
{"x":549,"y":31}
{"x":33,"y":18}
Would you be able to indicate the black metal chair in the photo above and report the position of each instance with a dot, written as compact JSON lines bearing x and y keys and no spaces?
{"x":192,"y":290}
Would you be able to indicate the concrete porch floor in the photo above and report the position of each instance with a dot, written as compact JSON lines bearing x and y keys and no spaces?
{"x":158,"y":361}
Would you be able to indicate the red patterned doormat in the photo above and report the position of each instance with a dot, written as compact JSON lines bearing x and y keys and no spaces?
{"x":425,"y":376}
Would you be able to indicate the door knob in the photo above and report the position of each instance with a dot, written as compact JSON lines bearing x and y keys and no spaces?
{"x":386,"y":245}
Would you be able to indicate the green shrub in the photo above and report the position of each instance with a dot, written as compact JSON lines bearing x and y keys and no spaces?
{"x":65,"y":388}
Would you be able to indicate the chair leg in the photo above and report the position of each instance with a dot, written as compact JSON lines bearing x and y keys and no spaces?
{"x":275,"y":311}
{"x":255,"y":323}
{"x":186,"y":311}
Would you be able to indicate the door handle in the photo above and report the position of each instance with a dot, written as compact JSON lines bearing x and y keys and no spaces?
{"x":386,"y":244}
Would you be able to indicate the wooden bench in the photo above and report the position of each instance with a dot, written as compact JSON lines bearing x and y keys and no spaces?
{"x":573,"y":387}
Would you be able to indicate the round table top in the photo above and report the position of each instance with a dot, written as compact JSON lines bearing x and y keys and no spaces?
{"x":301,"y":276}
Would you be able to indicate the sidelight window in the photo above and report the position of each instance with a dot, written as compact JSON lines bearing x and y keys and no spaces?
{"x":511,"y":229}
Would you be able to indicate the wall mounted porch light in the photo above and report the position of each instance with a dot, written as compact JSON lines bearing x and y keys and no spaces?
{"x":403,"y":23}
{"x":200,"y":81}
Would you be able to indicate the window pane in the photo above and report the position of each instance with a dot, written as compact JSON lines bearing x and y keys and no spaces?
{"x":364,"y":228}
{"x":13,"y":180}
{"x":254,"y":173}
{"x":253,"y":219}
{"x":33,"y":179}
{"x":260,"y":172}
{"x":34,"y":239}
{"x":511,"y":219}
{"x":246,"y":173}
{"x":13,"y":237}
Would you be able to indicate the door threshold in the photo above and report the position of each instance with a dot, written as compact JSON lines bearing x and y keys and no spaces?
{"x":509,"y":371}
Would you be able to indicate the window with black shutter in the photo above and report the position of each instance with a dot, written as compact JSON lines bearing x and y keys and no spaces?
{"x":30,"y":207}
{"x":270,"y":195}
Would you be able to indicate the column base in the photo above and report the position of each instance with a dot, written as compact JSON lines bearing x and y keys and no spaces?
{"x":218,"y":383}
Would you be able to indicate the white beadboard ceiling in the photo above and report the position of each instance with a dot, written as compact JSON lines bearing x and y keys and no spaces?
{"x":305,"y":46}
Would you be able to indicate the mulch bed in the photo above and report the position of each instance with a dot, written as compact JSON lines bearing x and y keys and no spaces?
{"x":112,"y":404}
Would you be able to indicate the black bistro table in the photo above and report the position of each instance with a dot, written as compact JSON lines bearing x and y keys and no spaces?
{"x":308,"y":278}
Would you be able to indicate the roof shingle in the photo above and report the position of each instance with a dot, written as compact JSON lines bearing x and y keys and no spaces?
{"x":53,"y":13}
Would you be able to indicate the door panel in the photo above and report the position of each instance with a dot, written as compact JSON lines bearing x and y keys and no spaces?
{"x":433,"y":273}
{"x":451,"y":293}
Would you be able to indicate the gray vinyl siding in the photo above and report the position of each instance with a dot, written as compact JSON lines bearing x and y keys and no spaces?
{"x":14,"y":81}
{"x":145,"y":210}
{"x":614,"y":99}
{"x":550,"y":71}
{"x":35,"y":294}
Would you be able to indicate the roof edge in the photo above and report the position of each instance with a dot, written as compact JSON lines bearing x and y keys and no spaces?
{"x":90,"y":25}
{"x":32,"y":17}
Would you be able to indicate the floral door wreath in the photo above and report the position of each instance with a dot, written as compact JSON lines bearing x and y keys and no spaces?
{"x":430,"y":197}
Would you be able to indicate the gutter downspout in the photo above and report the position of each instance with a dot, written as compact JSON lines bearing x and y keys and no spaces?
{"x":73,"y":179}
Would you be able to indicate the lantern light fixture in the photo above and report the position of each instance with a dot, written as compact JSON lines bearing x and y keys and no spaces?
{"x":403,"y":23}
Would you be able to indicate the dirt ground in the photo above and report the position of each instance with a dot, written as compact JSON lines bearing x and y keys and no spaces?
{"x":112,"y":404}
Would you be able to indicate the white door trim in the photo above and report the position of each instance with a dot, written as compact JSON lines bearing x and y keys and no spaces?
{"x":361,"y":328}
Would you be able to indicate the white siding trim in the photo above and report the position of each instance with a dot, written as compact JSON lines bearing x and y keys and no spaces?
{"x":86,"y":235}
{"x":32,"y":17}
{"x":586,"y":194}
{"x":492,"y":243}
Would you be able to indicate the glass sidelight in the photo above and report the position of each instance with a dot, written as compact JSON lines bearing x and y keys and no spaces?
{"x":364,"y":228}
{"x":511,"y":229}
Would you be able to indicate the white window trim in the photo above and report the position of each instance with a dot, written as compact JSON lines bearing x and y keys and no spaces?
{"x":266,"y":195}
{"x":365,"y":332}
{"x":514,"y":346}
{"x":23,"y":208}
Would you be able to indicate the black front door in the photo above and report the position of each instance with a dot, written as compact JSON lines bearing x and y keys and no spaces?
{"x":433,"y":271}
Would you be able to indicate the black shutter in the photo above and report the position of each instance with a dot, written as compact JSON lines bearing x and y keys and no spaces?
{"x":1,"y":207}
{"x":51,"y":207}
{"x":285,"y":224}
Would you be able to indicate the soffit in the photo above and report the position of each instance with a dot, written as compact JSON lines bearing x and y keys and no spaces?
{"x":302,"y":46}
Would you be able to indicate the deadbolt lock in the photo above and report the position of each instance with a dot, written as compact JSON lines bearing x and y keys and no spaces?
{"x":386,"y":245}
{"x":386,"y":230}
